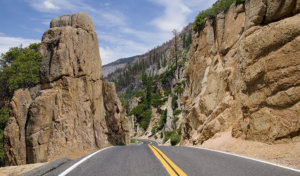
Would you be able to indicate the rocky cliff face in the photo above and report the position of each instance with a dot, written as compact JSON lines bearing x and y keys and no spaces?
{"x":66,"y":112}
{"x":118,"y":124}
{"x":243,"y":74}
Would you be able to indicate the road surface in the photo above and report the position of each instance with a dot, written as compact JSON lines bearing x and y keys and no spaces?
{"x":150,"y":159}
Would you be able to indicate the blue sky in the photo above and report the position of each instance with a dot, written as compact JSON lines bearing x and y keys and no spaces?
{"x":124,"y":27}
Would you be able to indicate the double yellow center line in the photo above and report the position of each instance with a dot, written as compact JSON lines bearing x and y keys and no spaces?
{"x":171,"y":167}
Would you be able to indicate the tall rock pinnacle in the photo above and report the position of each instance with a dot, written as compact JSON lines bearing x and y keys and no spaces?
{"x":66,"y":112}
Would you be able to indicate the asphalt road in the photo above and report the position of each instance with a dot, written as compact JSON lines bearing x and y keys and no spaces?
{"x":150,"y":159}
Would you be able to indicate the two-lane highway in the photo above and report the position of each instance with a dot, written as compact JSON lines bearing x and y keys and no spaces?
{"x":150,"y":159}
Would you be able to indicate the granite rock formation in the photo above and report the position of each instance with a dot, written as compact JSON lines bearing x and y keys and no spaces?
{"x":71,"y":109}
{"x":243,"y":74}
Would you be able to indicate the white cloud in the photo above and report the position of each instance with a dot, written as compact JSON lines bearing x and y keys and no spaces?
{"x":120,"y":48}
{"x":102,"y":17}
{"x":174,"y":16}
{"x":7,"y":42}
{"x":153,"y":37}
{"x":50,"y":5}
{"x":199,"y":5}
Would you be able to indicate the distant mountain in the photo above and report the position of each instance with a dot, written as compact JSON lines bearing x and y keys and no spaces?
{"x":126,"y":72}
{"x":118,"y":64}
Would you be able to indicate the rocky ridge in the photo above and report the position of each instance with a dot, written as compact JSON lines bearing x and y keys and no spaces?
{"x":243,"y":74}
{"x":71,"y":109}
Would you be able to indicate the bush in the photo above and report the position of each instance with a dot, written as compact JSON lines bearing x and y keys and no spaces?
{"x":154,"y":129}
{"x":183,"y":82}
{"x":176,"y":112}
{"x":173,"y":136}
{"x":175,"y":139}
{"x":167,"y":136}
{"x":161,"y":135}
{"x":175,"y":119}
{"x":155,"y":137}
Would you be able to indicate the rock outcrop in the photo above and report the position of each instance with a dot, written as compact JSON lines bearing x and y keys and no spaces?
{"x":66,"y":112}
{"x":243,"y":74}
{"x":117,"y":123}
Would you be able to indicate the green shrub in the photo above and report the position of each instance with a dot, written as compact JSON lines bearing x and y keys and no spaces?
{"x":173,"y":136}
{"x":183,"y":82}
{"x":175,"y":139}
{"x":176,"y":112}
{"x":155,"y":137}
{"x":167,"y":135}
{"x":161,"y":135}
{"x":154,"y":129}
{"x":175,"y":119}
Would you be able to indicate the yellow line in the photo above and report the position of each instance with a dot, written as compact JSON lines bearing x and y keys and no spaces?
{"x":175,"y":167}
{"x":163,"y":162}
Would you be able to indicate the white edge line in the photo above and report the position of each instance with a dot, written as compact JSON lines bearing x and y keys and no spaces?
{"x":245,"y":157}
{"x":141,"y":143}
{"x":81,"y":161}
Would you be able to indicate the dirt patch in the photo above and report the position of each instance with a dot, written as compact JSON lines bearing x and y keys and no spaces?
{"x":18,"y":170}
{"x":286,"y":154}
